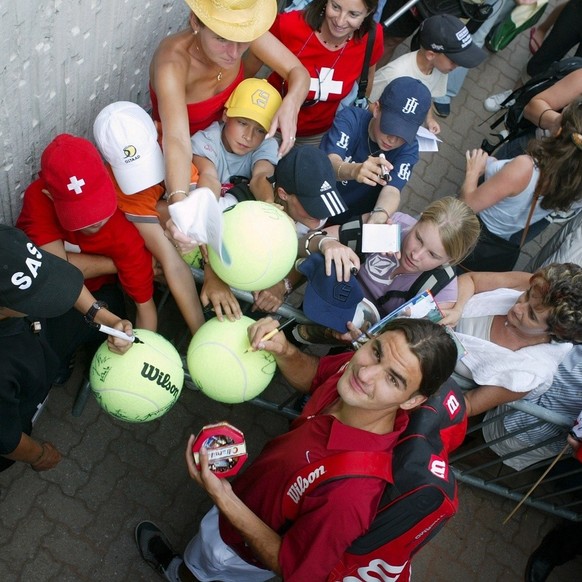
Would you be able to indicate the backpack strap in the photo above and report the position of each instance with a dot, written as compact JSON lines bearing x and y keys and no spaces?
{"x":363,"y":83}
{"x":529,"y":216}
{"x":350,"y":235}
{"x":339,"y":466}
{"x":434,"y":281}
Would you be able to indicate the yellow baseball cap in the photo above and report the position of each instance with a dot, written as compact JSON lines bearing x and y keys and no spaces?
{"x":254,"y":99}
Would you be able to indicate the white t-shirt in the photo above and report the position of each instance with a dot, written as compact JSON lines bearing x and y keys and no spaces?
{"x":208,"y":144}
{"x":406,"y":66}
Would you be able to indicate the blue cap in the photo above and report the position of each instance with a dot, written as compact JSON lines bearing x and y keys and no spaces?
{"x":326,"y":301}
{"x":404,"y":104}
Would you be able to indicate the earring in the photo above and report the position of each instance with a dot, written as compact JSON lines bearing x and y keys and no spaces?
{"x":195,"y":32}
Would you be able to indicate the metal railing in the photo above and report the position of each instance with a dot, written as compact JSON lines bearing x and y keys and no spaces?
{"x":474,"y":463}
{"x":386,"y":23}
{"x":559,"y":493}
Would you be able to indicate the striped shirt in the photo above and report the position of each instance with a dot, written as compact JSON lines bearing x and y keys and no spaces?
{"x":563,"y":397}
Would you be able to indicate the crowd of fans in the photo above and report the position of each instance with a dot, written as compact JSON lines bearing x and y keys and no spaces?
{"x":98,"y":216}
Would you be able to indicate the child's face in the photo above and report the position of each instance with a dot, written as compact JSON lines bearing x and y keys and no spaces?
{"x":93,"y":228}
{"x":296,"y":211}
{"x":443,"y":64}
{"x":422,"y":249}
{"x":241,"y":135}
{"x":385,"y":141}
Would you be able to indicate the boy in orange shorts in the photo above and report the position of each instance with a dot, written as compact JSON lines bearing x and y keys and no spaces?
{"x":127,"y":138}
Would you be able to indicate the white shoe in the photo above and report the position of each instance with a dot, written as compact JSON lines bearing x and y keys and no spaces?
{"x":493,"y":102}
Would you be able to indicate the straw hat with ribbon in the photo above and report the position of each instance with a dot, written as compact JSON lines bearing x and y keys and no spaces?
{"x":236,"y":20}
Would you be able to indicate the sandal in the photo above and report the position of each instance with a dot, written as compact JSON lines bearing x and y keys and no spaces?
{"x":534,"y":45}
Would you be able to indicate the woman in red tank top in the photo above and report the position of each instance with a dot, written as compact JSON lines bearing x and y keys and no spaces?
{"x":194,"y":71}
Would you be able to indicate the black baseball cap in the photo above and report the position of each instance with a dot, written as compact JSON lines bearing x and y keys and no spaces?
{"x":32,"y":281}
{"x":306,"y":172}
{"x":444,"y":33}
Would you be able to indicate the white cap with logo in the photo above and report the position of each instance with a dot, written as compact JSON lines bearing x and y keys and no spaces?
{"x":128,"y":140}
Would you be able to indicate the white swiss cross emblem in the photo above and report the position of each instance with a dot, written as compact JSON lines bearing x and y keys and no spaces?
{"x":76,"y":185}
{"x":324,"y":85}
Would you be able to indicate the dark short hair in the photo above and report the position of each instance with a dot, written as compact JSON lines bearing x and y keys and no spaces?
{"x":560,"y":288}
{"x":434,"y":348}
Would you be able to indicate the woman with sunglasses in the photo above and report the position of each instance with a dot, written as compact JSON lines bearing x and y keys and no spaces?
{"x":330,"y":38}
{"x":193,"y":72}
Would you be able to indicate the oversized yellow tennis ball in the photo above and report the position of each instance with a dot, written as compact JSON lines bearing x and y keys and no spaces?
{"x":140,"y":385}
{"x":220,"y":365}
{"x":260,"y":246}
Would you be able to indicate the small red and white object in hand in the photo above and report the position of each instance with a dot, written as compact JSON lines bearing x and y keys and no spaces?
{"x":227,"y":450}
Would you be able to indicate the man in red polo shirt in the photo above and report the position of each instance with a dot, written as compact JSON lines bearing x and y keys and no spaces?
{"x":358,"y":402}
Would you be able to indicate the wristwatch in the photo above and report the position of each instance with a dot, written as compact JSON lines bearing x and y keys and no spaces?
{"x":90,"y":315}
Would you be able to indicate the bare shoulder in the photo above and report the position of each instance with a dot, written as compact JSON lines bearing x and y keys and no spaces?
{"x":517,"y":173}
{"x":524,"y":163}
{"x":171,"y":54}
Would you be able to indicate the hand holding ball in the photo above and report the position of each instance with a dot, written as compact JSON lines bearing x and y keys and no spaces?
{"x":140,"y":385}
{"x":221,"y":365}
{"x":260,"y":246}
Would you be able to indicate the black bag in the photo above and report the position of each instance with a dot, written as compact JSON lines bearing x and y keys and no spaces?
{"x":513,"y":106}
{"x":492,"y":253}
{"x":434,"y":281}
{"x":240,"y":189}
{"x":474,"y":14}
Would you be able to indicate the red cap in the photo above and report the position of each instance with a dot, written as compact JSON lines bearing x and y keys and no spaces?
{"x":78,"y":182}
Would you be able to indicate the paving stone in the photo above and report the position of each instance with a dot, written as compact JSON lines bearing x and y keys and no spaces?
{"x":42,"y":567}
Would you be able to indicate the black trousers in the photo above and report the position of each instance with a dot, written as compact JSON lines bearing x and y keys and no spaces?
{"x":564,"y":35}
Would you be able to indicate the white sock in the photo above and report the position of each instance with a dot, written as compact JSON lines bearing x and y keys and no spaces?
{"x":171,"y":572}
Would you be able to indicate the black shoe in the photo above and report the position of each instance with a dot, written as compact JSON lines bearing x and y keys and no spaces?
{"x":560,"y":545}
{"x":538,"y":568}
{"x":442,"y":109}
{"x":154,"y":547}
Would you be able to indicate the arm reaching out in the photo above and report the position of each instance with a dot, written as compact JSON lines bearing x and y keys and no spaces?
{"x":264,"y":542}
{"x":297,"y":367}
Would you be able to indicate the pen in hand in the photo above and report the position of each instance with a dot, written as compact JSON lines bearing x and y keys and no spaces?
{"x":273,"y":332}
{"x":385,"y":173}
{"x":117,"y":333}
